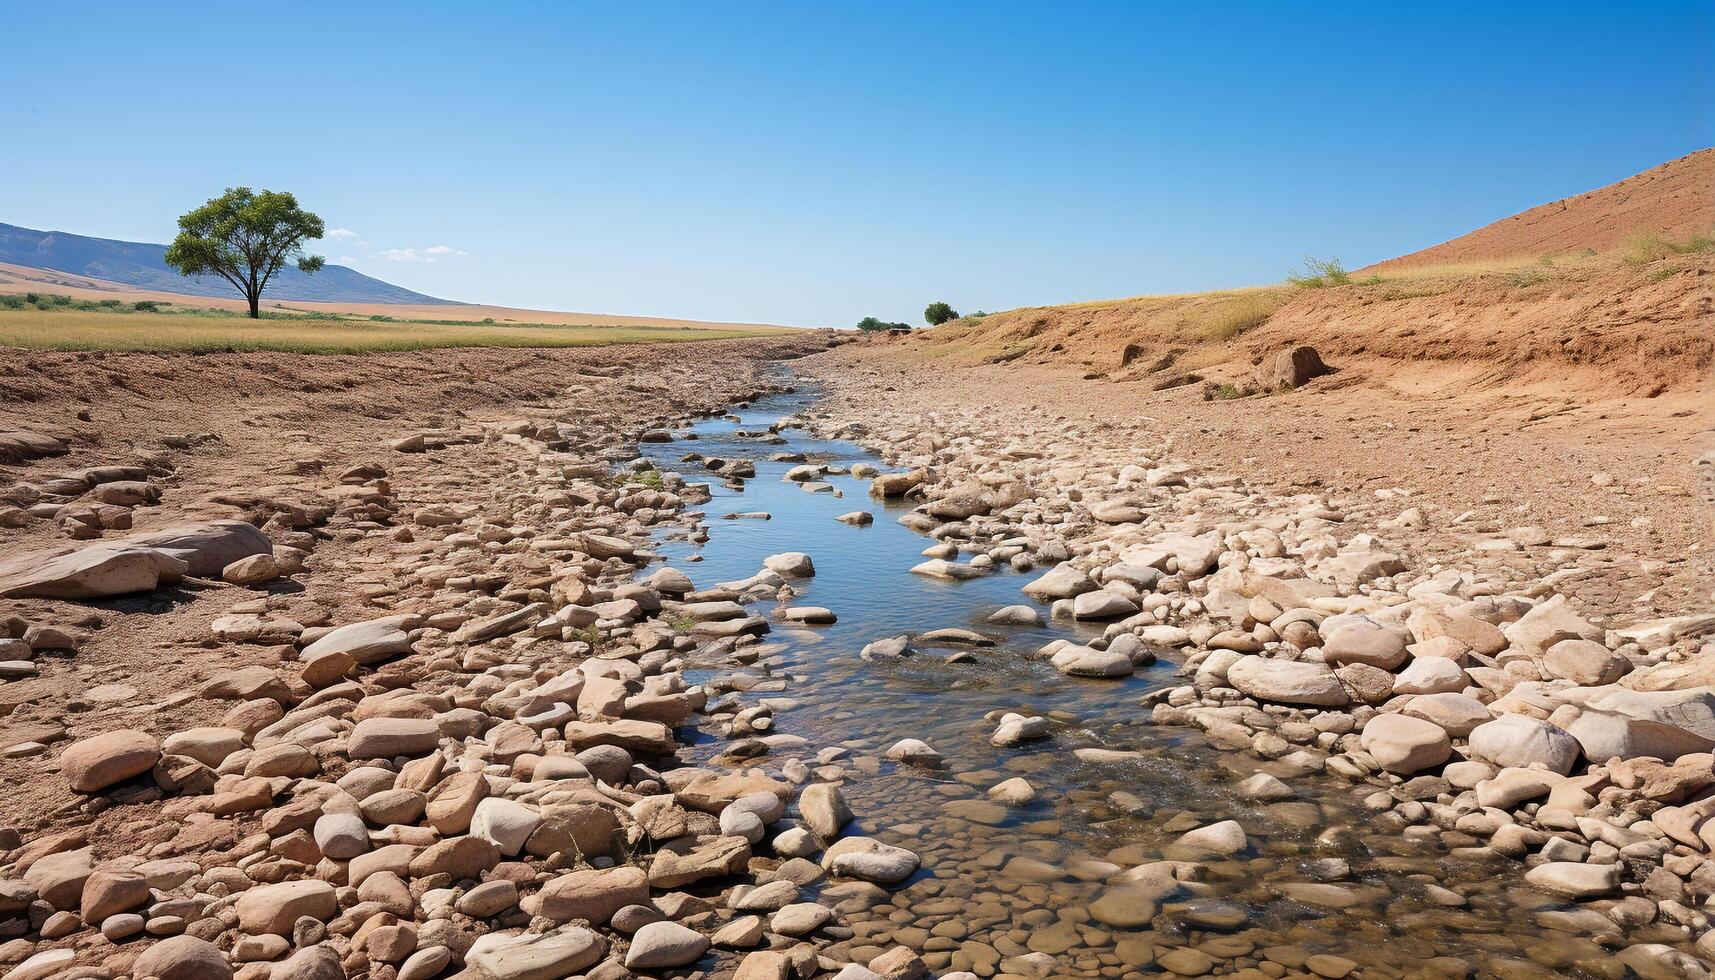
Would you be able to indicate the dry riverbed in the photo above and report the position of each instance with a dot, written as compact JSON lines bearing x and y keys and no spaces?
{"x":341,"y":667}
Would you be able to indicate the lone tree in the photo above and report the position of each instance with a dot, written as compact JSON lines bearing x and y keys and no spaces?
{"x":245,"y":237}
{"x":938,"y":313}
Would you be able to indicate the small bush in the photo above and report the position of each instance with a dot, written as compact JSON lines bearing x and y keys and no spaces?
{"x":1234,"y":317}
{"x":1648,"y":246}
{"x":147,"y":306}
{"x":1320,"y":274}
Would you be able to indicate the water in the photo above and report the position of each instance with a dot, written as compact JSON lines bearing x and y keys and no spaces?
{"x":1002,"y":882}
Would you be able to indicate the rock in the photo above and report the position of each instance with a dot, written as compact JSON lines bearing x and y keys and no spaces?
{"x":1584,"y":662}
{"x":792,"y":564}
{"x":368,"y":642}
{"x":108,"y":893}
{"x":1548,"y":623}
{"x":341,"y":836}
{"x":1224,"y":838}
{"x":810,"y":615}
{"x":1359,"y":640}
{"x":385,"y":738}
{"x":870,"y":860}
{"x":592,"y":894}
{"x":765,"y":965}
{"x":40,"y":966}
{"x":1018,"y":615}
{"x":1459,"y":714}
{"x":688,"y":860}
{"x":59,"y":878}
{"x":1016,"y":791}
{"x":273,"y":909}
{"x":505,"y":823}
{"x":1063,"y":581}
{"x":182,"y":958}
{"x":488,"y":899}
{"x":857,"y":518}
{"x":1287,"y":682}
{"x":425,"y":963}
{"x":459,"y":857}
{"x":913,"y":751}
{"x":1289,"y":367}
{"x":1405,"y":745}
{"x":1431,"y":675}
{"x":824,"y":809}
{"x":799,"y":919}
{"x":1605,"y":735}
{"x":209,"y":746}
{"x":97,"y":762}
{"x":18,"y":445}
{"x":1575,"y":879}
{"x":251,"y":570}
{"x":1016,"y":729}
{"x":1102,"y":604}
{"x":1517,"y":740}
{"x":548,"y":955}
{"x":665,"y":944}
{"x":1081,"y":661}
{"x":92,"y":572}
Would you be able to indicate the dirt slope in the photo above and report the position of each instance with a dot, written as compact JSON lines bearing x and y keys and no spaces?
{"x":1676,"y":200}
{"x":1608,"y":330}
{"x":20,"y":279}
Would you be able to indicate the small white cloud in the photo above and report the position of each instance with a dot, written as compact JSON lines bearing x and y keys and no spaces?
{"x":429,"y":254}
{"x":341,"y":234}
{"x":345,"y":260}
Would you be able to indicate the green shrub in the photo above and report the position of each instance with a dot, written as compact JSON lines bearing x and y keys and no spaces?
{"x":12,"y":301}
{"x":147,"y":306}
{"x":871,"y":323}
{"x":1319,"y":274}
{"x":937,"y":313}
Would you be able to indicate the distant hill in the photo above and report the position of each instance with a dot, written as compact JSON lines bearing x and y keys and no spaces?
{"x":1676,"y":200}
{"x":144,"y":266}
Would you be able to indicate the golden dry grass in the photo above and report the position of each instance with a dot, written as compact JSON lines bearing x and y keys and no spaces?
{"x":191,"y":333}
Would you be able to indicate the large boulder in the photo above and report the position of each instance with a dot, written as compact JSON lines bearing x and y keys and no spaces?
{"x":591,"y":895}
{"x":870,"y":860}
{"x":1289,"y":367}
{"x":1287,"y":682}
{"x":275,"y":908}
{"x":559,"y":952}
{"x":207,"y":548}
{"x":1519,"y":740}
{"x":1607,"y":735}
{"x":183,"y":958}
{"x":99,"y":761}
{"x":1548,"y":623}
{"x":1063,"y":581}
{"x":93,"y":572}
{"x":1404,"y":745}
{"x":1360,"y":640}
{"x":367,"y":642}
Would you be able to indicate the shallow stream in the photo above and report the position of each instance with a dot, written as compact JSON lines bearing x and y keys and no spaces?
{"x":1000,"y":882}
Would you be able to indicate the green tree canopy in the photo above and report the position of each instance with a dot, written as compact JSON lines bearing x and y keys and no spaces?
{"x":937,"y":313}
{"x":245,"y":237}
{"x":871,"y":323}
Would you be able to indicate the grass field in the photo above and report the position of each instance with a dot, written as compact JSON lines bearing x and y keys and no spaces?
{"x":67,"y":329}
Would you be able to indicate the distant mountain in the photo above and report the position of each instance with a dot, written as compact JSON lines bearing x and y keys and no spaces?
{"x":144,"y":266}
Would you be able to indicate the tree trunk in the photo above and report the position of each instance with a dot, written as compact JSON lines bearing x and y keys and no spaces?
{"x":255,"y":305}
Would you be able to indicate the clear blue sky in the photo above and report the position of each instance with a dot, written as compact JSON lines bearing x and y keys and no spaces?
{"x":812,"y":163}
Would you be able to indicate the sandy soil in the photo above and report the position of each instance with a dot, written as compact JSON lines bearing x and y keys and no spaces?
{"x":273,"y":431}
